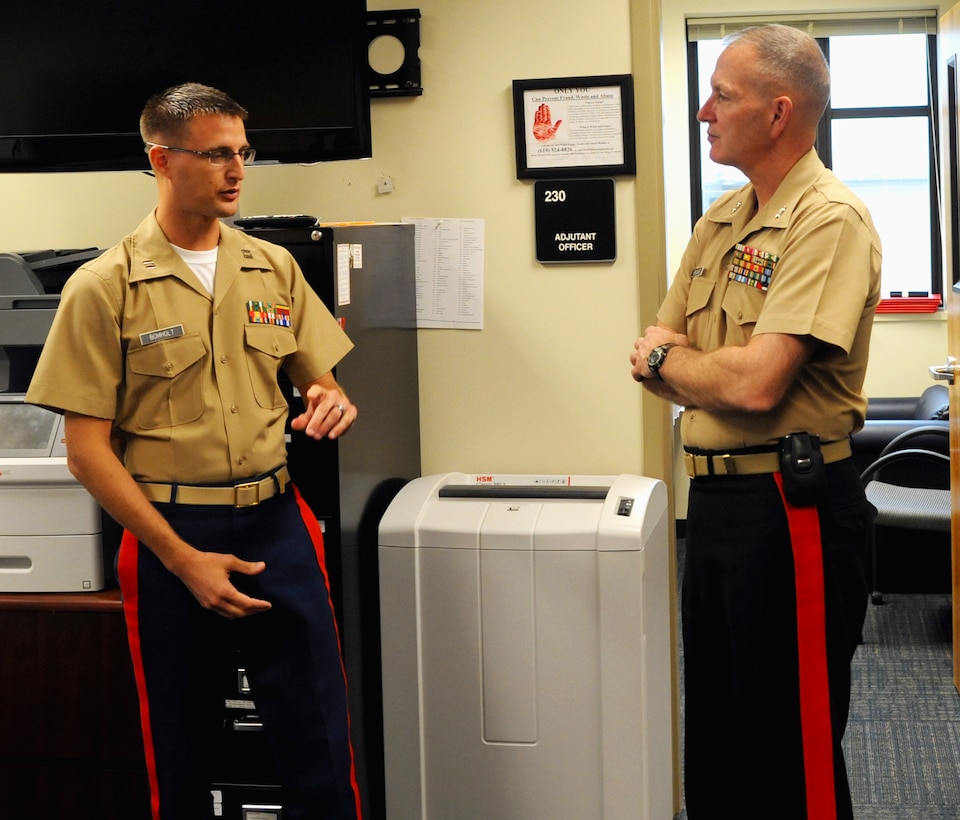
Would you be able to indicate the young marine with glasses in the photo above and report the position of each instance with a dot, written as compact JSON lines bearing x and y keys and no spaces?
{"x":175,"y":424}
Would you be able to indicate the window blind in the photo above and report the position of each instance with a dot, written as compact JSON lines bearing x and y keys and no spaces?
{"x":827,"y":24}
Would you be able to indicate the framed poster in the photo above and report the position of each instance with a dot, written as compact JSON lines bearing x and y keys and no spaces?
{"x":580,"y":126}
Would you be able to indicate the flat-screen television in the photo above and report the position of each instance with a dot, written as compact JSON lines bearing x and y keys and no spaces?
{"x":77,"y":74}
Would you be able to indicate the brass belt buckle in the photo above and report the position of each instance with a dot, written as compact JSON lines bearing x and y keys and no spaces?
{"x":250,"y":485}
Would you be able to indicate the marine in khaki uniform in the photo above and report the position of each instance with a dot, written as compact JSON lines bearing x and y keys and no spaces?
{"x":771,"y":270}
{"x":763,"y":339}
{"x":175,"y":424}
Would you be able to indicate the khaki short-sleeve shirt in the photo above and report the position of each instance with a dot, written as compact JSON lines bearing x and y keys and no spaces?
{"x":189,"y":379}
{"x":807,"y":264}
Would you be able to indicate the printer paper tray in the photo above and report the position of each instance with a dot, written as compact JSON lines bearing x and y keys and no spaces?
{"x":45,"y":563}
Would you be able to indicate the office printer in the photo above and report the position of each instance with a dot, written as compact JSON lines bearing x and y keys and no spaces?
{"x":50,"y":526}
{"x":30,"y":285}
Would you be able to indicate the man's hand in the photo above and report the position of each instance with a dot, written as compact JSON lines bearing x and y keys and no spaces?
{"x":207,"y":576}
{"x":329,"y":413}
{"x":642,"y":347}
{"x":93,"y":460}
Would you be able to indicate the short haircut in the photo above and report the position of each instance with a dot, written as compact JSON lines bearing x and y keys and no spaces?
{"x":167,"y":114}
{"x":791,"y":61}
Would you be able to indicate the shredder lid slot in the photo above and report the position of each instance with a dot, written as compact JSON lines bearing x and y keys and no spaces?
{"x":541,"y":491}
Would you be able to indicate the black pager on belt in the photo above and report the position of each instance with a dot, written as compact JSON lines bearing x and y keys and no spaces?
{"x":801,"y":463}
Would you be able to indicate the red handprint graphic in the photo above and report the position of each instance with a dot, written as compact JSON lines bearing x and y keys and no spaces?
{"x":543,"y":130}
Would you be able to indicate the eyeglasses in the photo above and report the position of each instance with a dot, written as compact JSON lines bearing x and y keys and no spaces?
{"x":218,"y":156}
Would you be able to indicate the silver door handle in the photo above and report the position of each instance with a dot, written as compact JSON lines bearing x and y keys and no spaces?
{"x":944,"y":372}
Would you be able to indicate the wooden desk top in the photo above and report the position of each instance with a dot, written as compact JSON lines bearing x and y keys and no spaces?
{"x":107,"y":600}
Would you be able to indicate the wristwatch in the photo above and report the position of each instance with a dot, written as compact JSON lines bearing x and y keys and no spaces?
{"x":656,"y":359}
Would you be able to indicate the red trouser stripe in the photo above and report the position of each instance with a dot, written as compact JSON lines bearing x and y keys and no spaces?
{"x":316,"y":535}
{"x":815,"y":723}
{"x":129,"y":584}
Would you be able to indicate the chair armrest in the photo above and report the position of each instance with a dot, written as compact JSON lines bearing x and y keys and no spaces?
{"x":868,"y":443}
{"x":901,"y":455}
{"x":935,"y":437}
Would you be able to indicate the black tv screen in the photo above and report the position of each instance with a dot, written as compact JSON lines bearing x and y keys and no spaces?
{"x":76,"y":76}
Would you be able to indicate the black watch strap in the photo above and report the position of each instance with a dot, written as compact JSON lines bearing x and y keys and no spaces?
{"x":655,"y":362}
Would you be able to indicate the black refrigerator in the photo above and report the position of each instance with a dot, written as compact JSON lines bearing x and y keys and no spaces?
{"x":365,"y":274}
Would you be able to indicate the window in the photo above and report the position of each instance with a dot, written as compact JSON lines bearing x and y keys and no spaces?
{"x":878,"y":135}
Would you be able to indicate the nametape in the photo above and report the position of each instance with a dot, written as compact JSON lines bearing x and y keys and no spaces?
{"x":159,"y":335}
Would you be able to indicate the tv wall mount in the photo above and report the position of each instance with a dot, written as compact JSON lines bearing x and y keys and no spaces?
{"x":393,"y":53}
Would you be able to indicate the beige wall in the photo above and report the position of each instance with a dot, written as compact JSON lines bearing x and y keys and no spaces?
{"x":545,"y":386}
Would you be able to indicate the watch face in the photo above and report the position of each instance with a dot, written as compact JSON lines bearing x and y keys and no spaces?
{"x":656,"y":357}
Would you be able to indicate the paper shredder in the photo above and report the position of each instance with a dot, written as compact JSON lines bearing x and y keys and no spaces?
{"x":525,"y":638}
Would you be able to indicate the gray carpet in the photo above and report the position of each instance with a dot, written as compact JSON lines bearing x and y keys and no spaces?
{"x":903,"y":739}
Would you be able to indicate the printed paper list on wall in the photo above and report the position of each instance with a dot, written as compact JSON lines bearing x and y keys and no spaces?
{"x":449,"y":272}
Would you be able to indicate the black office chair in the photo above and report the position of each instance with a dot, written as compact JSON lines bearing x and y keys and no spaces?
{"x":916,"y":496}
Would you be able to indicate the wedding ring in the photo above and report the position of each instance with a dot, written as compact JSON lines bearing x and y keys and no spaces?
{"x":340,"y":408}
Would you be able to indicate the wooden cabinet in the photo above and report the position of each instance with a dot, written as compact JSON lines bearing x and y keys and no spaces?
{"x":70,"y":741}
